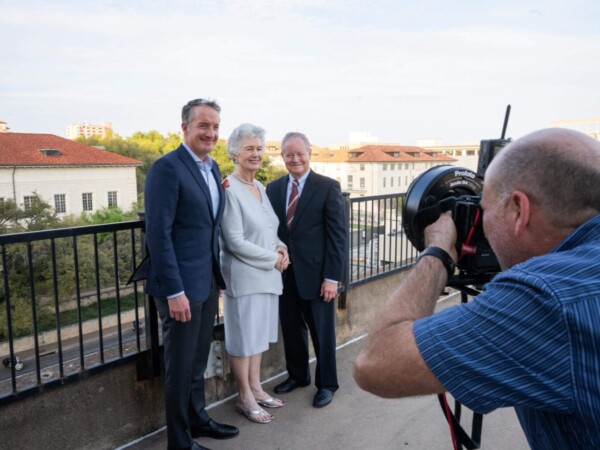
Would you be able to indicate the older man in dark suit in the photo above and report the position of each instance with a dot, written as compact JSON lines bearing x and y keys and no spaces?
{"x":313,"y":225}
{"x":184,"y":203}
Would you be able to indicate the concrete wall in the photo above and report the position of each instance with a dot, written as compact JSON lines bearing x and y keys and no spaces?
{"x":112,"y":408}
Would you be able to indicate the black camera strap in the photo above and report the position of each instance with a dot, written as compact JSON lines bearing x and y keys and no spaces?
{"x":460,"y":437}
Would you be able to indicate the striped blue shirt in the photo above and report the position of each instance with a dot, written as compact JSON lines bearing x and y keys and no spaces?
{"x":530,"y":340}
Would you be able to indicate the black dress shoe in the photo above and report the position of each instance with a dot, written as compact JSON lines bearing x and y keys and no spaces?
{"x":196,"y":446}
{"x":215,"y":430}
{"x":322,"y":398}
{"x":288,"y":386}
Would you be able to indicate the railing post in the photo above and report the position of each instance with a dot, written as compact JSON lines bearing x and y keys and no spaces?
{"x":346,"y":275}
{"x":151,"y":318}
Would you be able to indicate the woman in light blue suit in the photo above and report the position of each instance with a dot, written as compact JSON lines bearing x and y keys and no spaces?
{"x":252,"y":259}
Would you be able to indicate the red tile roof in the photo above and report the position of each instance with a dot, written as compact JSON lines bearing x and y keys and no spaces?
{"x":27,"y":149}
{"x":380,"y":153}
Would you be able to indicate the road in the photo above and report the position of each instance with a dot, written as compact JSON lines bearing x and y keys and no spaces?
{"x":49,"y":357}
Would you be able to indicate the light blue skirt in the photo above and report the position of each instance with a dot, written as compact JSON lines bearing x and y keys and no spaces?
{"x":251,"y":323}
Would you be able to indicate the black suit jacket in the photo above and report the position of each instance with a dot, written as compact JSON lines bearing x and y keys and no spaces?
{"x":317,"y":239}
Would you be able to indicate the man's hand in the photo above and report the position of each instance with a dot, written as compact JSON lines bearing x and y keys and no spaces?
{"x":179,"y":308}
{"x":329,"y":290}
{"x":442,"y":233}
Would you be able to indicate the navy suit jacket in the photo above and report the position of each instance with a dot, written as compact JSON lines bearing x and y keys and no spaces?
{"x":317,"y":239}
{"x":182,"y":235}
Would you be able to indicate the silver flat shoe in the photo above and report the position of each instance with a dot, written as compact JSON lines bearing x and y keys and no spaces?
{"x":271,"y":402}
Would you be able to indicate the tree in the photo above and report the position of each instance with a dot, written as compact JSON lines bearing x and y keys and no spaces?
{"x":9,"y":215}
{"x":38,"y":216}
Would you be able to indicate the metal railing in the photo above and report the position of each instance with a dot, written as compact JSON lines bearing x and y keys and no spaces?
{"x":67,"y":311}
{"x":377,"y":244}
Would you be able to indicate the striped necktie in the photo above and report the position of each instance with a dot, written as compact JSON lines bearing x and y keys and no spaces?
{"x":292,"y":204}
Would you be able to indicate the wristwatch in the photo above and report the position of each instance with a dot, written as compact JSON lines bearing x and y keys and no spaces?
{"x":442,"y":255}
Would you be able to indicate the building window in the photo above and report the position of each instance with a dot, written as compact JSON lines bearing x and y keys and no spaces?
{"x":385,"y":167}
{"x":362,"y":166}
{"x":60,"y":204}
{"x":362,"y":183}
{"x":391,"y":181}
{"x":406,"y":166}
{"x":87,"y":201}
{"x":384,"y":181}
{"x":350,"y":182}
{"x":399,"y":181}
{"x":393,"y":166}
{"x":112,"y":198}
{"x":28,"y":202}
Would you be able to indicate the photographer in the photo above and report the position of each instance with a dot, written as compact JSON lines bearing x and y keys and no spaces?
{"x":531,"y":339}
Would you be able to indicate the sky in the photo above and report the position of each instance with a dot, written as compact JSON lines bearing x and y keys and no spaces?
{"x":401,"y":70}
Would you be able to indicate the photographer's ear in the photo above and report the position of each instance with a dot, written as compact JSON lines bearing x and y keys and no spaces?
{"x":519,"y":210}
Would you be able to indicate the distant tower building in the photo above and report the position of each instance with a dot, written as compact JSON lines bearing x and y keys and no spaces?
{"x":3,"y":127}
{"x":591,"y":127}
{"x":87,"y":130}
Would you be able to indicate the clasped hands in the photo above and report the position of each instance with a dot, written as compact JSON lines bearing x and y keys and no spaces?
{"x":283,"y":259}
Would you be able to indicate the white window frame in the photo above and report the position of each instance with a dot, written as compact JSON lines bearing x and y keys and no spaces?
{"x":112,"y":202}
{"x":87,"y":197}
{"x":60,"y":203}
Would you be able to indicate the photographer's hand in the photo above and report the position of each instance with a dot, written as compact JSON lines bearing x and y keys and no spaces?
{"x":442,"y":233}
{"x":399,"y":370}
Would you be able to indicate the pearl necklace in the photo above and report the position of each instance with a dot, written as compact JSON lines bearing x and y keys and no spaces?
{"x":248,"y":183}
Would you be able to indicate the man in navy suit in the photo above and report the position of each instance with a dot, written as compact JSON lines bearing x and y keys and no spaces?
{"x":313,"y":225}
{"x":184,"y":203}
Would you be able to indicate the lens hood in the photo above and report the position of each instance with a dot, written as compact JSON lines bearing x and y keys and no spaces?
{"x":430,"y":194}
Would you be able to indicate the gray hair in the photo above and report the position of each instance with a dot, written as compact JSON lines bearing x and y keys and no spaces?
{"x":295,"y":134}
{"x":558,"y":169}
{"x":186,"y":112}
{"x":244,"y":131}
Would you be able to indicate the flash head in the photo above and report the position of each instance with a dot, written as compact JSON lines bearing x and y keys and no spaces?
{"x":432,"y":193}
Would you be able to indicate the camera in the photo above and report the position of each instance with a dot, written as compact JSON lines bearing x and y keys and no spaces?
{"x":450,"y":188}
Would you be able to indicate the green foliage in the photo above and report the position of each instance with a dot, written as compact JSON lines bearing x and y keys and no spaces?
{"x":103,"y":215}
{"x":9,"y":214}
{"x":268,"y":172}
{"x":22,"y":322}
{"x":39,"y":216}
{"x":21,"y":318}
{"x":219,"y":154}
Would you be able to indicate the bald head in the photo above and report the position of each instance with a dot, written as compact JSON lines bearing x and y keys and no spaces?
{"x":558,"y":169}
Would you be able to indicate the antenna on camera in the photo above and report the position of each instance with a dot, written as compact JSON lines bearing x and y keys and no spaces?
{"x":505,"y":121}
{"x":489,"y":148}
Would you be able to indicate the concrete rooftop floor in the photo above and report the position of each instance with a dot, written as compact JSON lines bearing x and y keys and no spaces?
{"x":354,"y":420}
